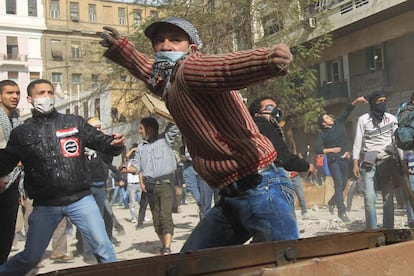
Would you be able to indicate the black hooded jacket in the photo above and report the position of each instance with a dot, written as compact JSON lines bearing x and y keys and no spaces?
{"x":285,"y":158}
{"x":51,"y":148}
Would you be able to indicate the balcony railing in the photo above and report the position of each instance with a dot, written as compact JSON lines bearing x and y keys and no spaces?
{"x":333,"y":90}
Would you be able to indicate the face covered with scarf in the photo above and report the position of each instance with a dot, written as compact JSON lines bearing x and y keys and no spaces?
{"x":378,"y":105}
{"x":173,"y":39}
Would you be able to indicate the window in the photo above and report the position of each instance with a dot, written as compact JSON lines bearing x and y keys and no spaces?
{"x":376,"y":58}
{"x":76,"y":54}
{"x":34,"y":76}
{"x":92,"y":13}
{"x":94,"y":80}
{"x":57,"y":78}
{"x":32,"y":7}
{"x":56,"y":49}
{"x":121,"y":15}
{"x":153,"y":14}
{"x":335,"y":70}
{"x":85,"y":109}
{"x":74,"y":11}
{"x":76,"y":83}
{"x":14,"y":76}
{"x":137,"y":18}
{"x":54,"y":9}
{"x":12,"y":48}
{"x":11,"y":6}
{"x":98,"y":108}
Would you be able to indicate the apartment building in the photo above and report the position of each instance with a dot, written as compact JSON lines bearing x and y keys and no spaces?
{"x":372,"y":49}
{"x":21,"y":27}
{"x":72,"y":56}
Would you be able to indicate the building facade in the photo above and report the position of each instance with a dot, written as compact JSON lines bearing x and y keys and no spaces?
{"x":21,"y":26}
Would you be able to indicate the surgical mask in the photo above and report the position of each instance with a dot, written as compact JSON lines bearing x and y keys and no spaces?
{"x":168,"y":56}
{"x":44,"y":105}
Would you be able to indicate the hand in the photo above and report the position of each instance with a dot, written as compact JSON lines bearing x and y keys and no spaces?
{"x":280,"y":57}
{"x":142,"y":184}
{"x":336,"y":149}
{"x":109,"y":36}
{"x":356,"y":169}
{"x":118,"y":140}
{"x":360,"y":100}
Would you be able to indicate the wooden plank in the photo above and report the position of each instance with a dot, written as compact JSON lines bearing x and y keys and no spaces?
{"x":233,"y":260}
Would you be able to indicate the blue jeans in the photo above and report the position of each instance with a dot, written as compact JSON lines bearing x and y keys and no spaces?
{"x":410,"y":213}
{"x":298,"y":185}
{"x":265,"y":213}
{"x":339,"y":172}
{"x":370,"y":196}
{"x":134,"y":195}
{"x":43,"y":221}
{"x":191,"y":180}
{"x":121,"y":193}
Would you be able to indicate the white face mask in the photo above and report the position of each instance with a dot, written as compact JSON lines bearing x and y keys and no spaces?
{"x":44,"y":104}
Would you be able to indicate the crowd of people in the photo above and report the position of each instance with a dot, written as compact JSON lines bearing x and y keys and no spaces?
{"x":234,"y":154}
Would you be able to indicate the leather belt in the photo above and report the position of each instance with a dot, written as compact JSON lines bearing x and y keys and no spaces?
{"x":249,"y":182}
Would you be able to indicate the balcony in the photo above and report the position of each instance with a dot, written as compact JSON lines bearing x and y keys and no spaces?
{"x":20,"y":60}
{"x":334,"y":92}
{"x":361,"y":83}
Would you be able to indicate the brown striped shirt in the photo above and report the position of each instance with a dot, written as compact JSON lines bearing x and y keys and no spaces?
{"x":224,"y":142}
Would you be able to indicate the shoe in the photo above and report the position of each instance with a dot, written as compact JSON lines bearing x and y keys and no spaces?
{"x":62,"y":259}
{"x":305,"y":215}
{"x":134,"y":221}
{"x":332,"y":209}
{"x":115,"y":241}
{"x":344,"y":217}
{"x":165,"y":251}
{"x":146,"y":219}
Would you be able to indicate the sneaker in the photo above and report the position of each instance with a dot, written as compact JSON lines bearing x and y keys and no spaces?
{"x":344,"y":217}
{"x":146,"y":219}
{"x":165,"y":251}
{"x":115,"y":241}
{"x":134,"y":221}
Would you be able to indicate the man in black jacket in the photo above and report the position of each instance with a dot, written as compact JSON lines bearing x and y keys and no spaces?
{"x":267,"y":117}
{"x":51,"y":146}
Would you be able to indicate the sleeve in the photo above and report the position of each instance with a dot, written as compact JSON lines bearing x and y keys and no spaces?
{"x":356,"y":150}
{"x":231,"y":71}
{"x":137,"y":159}
{"x":171,"y":134}
{"x":124,"y":53}
{"x":345,"y":113}
{"x":97,"y":140}
{"x":9,"y":156}
{"x":290,"y":161}
{"x":318,"y":148}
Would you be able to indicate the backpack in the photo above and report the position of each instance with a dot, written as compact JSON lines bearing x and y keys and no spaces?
{"x":404,"y":135}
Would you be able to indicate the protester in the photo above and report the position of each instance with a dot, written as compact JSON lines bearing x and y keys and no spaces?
{"x":333,"y":141}
{"x":155,"y":163}
{"x":9,"y":199}
{"x":374,"y":155}
{"x":50,"y":145}
{"x":267,"y":116}
{"x":227,"y":149}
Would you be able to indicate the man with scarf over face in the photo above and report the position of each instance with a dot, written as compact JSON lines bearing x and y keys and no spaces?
{"x":374,"y":159}
{"x":225,"y":145}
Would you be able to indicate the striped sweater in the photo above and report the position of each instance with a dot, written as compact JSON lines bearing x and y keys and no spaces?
{"x":224,"y":142}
